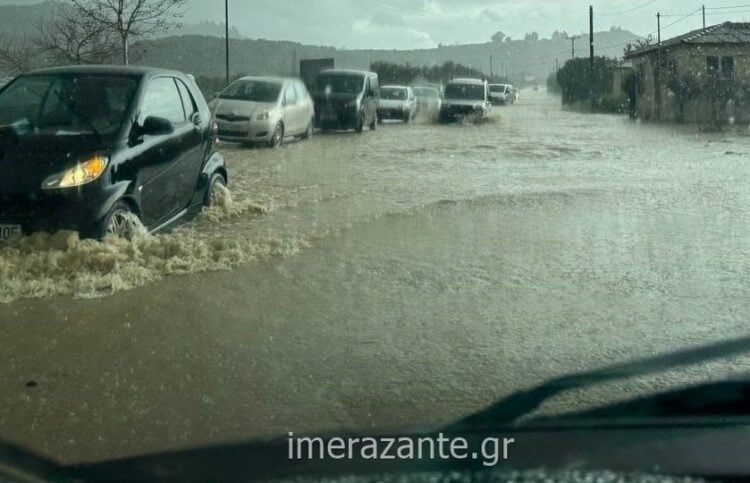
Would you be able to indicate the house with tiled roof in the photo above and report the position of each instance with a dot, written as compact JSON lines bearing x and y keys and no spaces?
{"x":702,"y":76}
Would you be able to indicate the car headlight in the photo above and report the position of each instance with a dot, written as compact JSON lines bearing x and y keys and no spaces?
{"x":80,"y":174}
{"x":264,"y":115}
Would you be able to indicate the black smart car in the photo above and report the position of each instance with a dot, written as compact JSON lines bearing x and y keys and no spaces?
{"x":83,"y":148}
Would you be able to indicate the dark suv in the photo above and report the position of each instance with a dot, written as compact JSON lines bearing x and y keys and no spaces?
{"x":346,"y":99}
{"x":85,"y":148}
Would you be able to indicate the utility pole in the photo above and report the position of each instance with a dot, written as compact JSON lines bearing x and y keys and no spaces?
{"x":591,"y":54}
{"x":703,"y":8}
{"x":573,"y":44}
{"x":657,"y":71}
{"x":658,"y":29}
{"x":491,"y":68}
{"x":226,"y":36}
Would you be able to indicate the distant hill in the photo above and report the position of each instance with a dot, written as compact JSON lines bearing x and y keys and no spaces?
{"x":208,"y":29}
{"x":18,"y":19}
{"x":204,"y":56}
{"x":199,"y":49}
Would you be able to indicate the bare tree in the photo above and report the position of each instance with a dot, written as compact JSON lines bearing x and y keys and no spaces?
{"x":17,"y":54}
{"x":638,"y":44}
{"x":131,"y":18}
{"x":67,"y":37}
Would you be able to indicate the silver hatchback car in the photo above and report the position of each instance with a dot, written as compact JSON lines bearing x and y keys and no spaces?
{"x":264,"y":110}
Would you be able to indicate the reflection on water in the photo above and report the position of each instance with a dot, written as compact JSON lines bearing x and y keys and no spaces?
{"x":435,"y":269}
{"x":309,"y":190}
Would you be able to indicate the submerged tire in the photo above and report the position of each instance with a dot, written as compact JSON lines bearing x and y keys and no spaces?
{"x":308,"y":134}
{"x":120,"y":222}
{"x":216,"y":185}
{"x":277,"y":137}
{"x":360,"y":127}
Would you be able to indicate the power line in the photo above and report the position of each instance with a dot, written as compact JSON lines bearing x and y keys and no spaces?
{"x":681,"y":18}
{"x":727,"y":7}
{"x":724,"y":12}
{"x":612,"y":14}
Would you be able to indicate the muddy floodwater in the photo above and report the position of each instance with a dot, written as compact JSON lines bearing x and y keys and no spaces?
{"x":392,"y":279}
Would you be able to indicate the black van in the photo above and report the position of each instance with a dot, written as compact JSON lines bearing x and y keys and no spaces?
{"x":346,"y":99}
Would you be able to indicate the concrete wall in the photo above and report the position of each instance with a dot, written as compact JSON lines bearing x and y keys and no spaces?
{"x":689,"y":62}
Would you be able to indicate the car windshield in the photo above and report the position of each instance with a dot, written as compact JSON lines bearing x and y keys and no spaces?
{"x":231,"y":221}
{"x":67,"y":104}
{"x":340,"y":83}
{"x":252,"y":90}
{"x":393,"y":93}
{"x":465,"y":92}
{"x":427,"y":92}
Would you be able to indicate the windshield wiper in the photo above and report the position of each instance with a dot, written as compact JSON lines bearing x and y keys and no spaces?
{"x":511,"y":409}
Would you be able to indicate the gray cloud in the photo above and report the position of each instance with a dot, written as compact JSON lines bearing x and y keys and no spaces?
{"x":405,"y":24}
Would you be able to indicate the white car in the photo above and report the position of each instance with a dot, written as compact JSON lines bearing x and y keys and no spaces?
{"x":465,"y":99}
{"x":264,"y":110}
{"x":428,"y":101}
{"x":397,"y":102}
{"x":502,"y":94}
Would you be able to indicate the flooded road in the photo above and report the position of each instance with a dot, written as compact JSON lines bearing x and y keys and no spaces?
{"x":392,"y":279}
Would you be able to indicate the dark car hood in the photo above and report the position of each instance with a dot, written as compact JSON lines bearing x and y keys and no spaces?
{"x":26,"y":161}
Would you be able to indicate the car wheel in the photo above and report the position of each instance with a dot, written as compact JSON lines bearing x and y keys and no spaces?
{"x":277,"y":137}
{"x":407,"y":117}
{"x":360,"y":123}
{"x":216,"y":186}
{"x":309,"y":131}
{"x":120,"y":222}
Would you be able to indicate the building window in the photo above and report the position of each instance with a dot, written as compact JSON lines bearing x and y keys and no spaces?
{"x":727,"y":68}
{"x":712,"y":65}
{"x":673,"y":70}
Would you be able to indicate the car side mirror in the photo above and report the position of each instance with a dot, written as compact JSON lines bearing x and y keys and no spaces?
{"x":156,"y":126}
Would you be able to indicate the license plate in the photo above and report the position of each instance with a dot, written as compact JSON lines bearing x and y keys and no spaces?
{"x":232,"y":128}
{"x":9,"y":231}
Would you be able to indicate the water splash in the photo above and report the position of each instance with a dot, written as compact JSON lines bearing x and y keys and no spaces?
{"x":62,"y":264}
{"x":225,"y":206}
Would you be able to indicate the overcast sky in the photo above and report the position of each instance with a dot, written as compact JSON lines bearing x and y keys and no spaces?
{"x":405,"y":24}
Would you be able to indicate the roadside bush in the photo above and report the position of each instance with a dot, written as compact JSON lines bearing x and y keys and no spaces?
{"x":612,"y":104}
{"x":574,"y":79}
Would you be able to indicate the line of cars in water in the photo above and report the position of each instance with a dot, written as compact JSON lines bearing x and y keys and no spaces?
{"x":267,"y":110}
{"x":94,"y":148}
